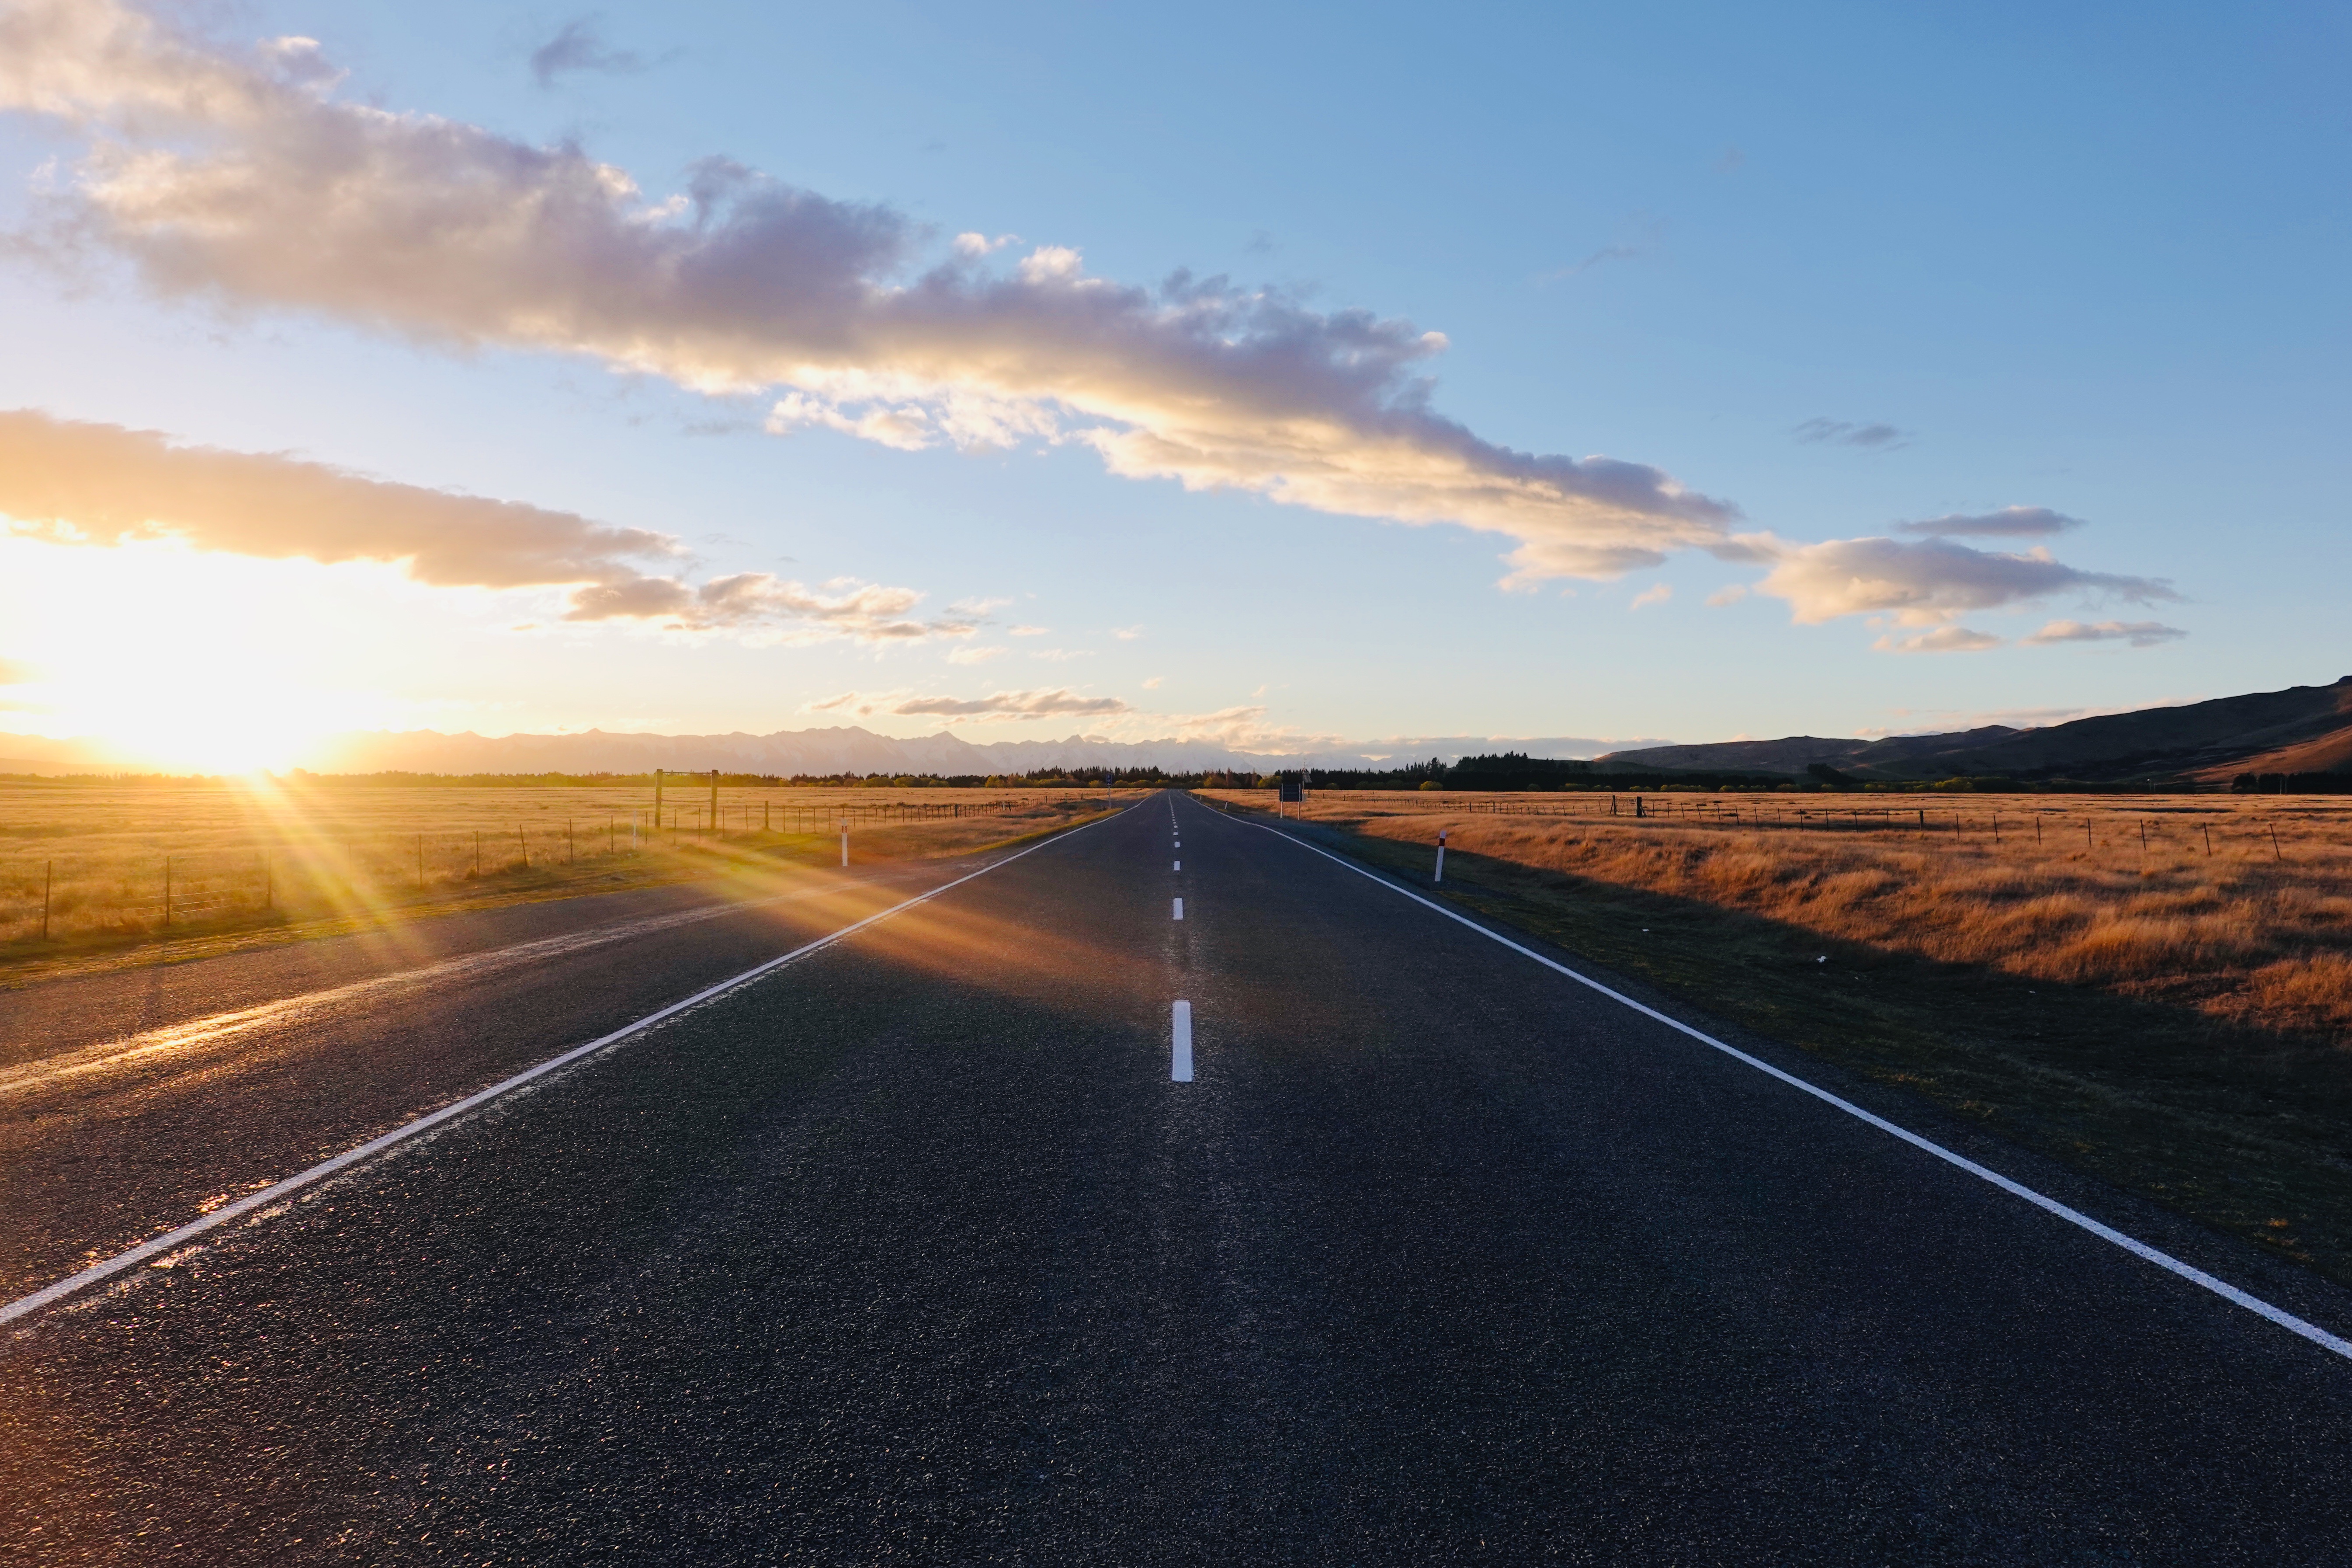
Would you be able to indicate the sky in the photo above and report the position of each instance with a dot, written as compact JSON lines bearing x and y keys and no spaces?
{"x":1279,"y":375}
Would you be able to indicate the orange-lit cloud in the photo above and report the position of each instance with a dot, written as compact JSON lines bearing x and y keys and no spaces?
{"x":240,"y":176}
{"x":78,"y":483}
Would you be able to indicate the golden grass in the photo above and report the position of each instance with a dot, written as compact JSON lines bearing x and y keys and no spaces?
{"x":241,"y":854}
{"x":2117,"y":892}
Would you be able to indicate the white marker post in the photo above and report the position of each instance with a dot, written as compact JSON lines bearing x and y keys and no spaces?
{"x":1179,"y":1043}
{"x":1441,"y":856}
{"x":844,"y":844}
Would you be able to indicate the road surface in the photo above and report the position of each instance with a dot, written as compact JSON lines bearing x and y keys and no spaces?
{"x":919,"y":1248}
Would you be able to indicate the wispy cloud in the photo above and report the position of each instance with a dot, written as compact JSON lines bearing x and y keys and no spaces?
{"x":1127,"y":633}
{"x":579,"y":45}
{"x":1032,"y":631}
{"x":94,"y":485}
{"x":17,"y":673}
{"x":976,"y":654}
{"x":1058,"y":702}
{"x":1641,"y":238}
{"x":1943,"y":639}
{"x":2139,"y":634}
{"x":1928,"y":583}
{"x":1655,"y":593}
{"x":2008,"y":522}
{"x":1872,"y":437}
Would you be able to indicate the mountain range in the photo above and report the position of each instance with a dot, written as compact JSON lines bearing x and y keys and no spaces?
{"x":2302,"y":730}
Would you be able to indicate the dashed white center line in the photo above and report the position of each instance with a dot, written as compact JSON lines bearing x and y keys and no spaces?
{"x":1180,"y":865}
{"x":1179,"y":1043}
{"x":1179,"y":909}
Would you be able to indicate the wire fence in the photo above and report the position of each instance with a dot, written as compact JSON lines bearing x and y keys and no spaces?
{"x":112,"y":891}
{"x":2051,"y":828}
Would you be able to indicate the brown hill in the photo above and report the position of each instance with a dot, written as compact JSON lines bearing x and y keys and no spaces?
{"x":2304,"y":728}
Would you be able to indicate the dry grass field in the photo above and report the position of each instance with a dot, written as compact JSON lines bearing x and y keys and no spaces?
{"x":115,"y":867}
{"x":2238,"y":907}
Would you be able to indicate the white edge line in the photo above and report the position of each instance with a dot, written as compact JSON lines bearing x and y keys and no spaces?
{"x":2140,"y":1250}
{"x":172,"y":1241}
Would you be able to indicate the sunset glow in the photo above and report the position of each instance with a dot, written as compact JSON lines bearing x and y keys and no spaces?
{"x":305,"y":430}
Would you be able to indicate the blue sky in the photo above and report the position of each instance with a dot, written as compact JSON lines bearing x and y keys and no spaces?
{"x":1833,"y":269}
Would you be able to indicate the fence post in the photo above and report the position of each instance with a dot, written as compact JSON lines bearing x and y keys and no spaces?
{"x":477,"y":852}
{"x":523,"y":840}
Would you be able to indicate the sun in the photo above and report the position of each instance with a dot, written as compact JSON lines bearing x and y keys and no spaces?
{"x":186,"y":662}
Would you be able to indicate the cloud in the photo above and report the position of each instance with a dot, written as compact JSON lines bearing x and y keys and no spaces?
{"x":240,"y":177}
{"x":1655,"y":593}
{"x":1153,"y":684}
{"x":88,"y":483}
{"x":1845,"y":433}
{"x":1943,"y":639}
{"x":1129,"y":633}
{"x":867,"y":612}
{"x":1730,"y":595}
{"x":579,"y":45}
{"x":976,"y":654}
{"x":15,"y":672}
{"x":1644,"y":237}
{"x":74,"y":483}
{"x":1924,"y":584}
{"x":1032,"y":631}
{"x":2009,"y":521}
{"x":1058,"y":654}
{"x":2139,"y":634}
{"x":1058,"y":702}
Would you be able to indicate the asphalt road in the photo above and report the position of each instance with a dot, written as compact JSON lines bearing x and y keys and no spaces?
{"x":912,"y":1250}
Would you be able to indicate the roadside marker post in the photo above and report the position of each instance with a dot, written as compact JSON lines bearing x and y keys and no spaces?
{"x":1441,"y":856}
{"x":845,"y":843}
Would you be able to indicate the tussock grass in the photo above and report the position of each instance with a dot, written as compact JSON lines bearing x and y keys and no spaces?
{"x":2258,"y":932}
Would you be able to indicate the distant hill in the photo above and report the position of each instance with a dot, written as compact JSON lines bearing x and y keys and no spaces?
{"x":2304,"y":728}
